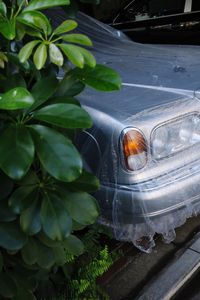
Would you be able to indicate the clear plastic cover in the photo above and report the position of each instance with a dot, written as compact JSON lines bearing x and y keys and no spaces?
{"x":144,"y":145}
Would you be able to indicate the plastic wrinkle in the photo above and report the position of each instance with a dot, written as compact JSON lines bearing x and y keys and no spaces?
{"x":144,"y":145}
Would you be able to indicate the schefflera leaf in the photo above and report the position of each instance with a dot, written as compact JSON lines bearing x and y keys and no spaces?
{"x":56,"y":153}
{"x":43,"y":4}
{"x":30,"y":252}
{"x":6,"y":186}
{"x":27,"y":50}
{"x":11,"y":237}
{"x":16,"y":151}
{"x":64,"y":115}
{"x":73,"y":245}
{"x":77,"y":38}
{"x":56,"y":221}
{"x":30,"y":220}
{"x":100,"y":77}
{"x":20,"y":198}
{"x":43,"y":89}
{"x":55,"y":55}
{"x":17,"y":98}
{"x":65,"y":26}
{"x":7,"y":28}
{"x":78,"y":55}
{"x":40,"y":56}
{"x":36,"y":20}
{"x":82,"y":207}
{"x":3,"y":8}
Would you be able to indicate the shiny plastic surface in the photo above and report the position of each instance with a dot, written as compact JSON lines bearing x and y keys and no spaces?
{"x":145,"y":143}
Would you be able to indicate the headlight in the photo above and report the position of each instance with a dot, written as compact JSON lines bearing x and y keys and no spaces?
{"x":176,"y":136}
{"x":134,"y":150}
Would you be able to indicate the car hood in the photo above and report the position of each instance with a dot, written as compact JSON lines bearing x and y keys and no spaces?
{"x":151,"y":74}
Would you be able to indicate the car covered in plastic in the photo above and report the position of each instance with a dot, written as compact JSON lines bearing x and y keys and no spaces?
{"x":144,"y":145}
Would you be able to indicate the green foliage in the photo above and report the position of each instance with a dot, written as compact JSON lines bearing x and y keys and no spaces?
{"x":82,"y":281}
{"x":44,"y":192}
{"x":85,"y":283}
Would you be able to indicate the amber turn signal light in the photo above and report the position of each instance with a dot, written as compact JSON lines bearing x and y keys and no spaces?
{"x":134,"y":150}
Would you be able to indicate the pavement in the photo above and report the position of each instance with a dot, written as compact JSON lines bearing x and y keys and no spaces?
{"x":175,"y":275}
{"x":136,"y":271}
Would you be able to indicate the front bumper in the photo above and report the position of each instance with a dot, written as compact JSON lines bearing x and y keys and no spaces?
{"x":135,"y":203}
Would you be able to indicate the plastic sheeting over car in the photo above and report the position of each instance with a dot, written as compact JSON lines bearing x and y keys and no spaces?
{"x":144,"y":145}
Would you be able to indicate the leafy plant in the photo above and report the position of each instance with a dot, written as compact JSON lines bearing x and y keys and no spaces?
{"x":85,"y":285}
{"x":44,"y":195}
{"x":85,"y":270}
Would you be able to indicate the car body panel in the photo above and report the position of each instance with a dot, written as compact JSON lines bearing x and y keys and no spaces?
{"x":160,"y":86}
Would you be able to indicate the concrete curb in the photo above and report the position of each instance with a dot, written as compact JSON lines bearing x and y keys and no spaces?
{"x":175,"y":275}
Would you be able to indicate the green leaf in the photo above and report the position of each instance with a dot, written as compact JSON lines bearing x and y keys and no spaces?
{"x":46,"y":258}
{"x":20,"y":31}
{"x":27,"y":50}
{"x":55,"y":55}
{"x":7,"y":28}
{"x":40,"y":56}
{"x":6,"y":214}
{"x":87,"y":182}
{"x":43,"y":90}
{"x":66,"y":26}
{"x":36,"y":20}
{"x":24,"y":295}
{"x":17,"y":98}
{"x":16,"y":151}
{"x":101,"y":78}
{"x":33,"y":32}
{"x":56,"y":221}
{"x":66,"y":100}
{"x":3,"y":8}
{"x":60,"y":256}
{"x":88,"y":57}
{"x":21,"y":198}
{"x":57,"y":154}
{"x":6,"y":185}
{"x":2,"y":63}
{"x":11,"y":237}
{"x":30,"y":220}
{"x":69,"y":87}
{"x":23,"y":276}
{"x":14,"y":58}
{"x":64,"y":115}
{"x":29,"y":252}
{"x":30,"y":178}
{"x":73,"y":245}
{"x":77,"y":227}
{"x":43,"y":4}
{"x":82,"y":207}
{"x":15,"y":80}
{"x":77,"y":39}
{"x":73,"y":53}
{"x":44,"y":239}
{"x":78,"y":56}
{"x":8,"y":287}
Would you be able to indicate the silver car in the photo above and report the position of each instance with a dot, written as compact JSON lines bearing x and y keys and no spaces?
{"x":145,"y":142}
